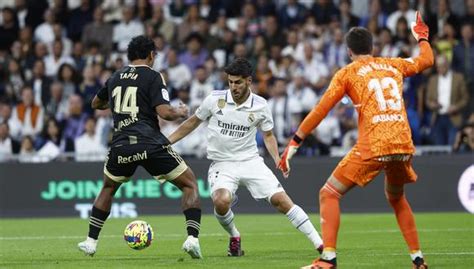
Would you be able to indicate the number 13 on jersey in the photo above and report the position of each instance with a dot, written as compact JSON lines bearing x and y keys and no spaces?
{"x":386,"y":83}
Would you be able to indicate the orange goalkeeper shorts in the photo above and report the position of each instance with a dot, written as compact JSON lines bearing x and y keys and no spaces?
{"x":398,"y":169}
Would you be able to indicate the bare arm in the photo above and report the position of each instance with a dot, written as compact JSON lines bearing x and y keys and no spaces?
{"x":100,"y":104}
{"x":184,"y":129}
{"x":170,"y":113}
{"x":271,"y":145}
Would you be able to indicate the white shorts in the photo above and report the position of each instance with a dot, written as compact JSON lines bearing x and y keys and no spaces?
{"x":253,"y":174}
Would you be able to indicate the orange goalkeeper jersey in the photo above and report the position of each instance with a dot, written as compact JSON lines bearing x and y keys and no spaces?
{"x":375,"y":86}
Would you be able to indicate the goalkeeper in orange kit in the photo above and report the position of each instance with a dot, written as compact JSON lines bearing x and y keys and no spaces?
{"x":375,"y":87}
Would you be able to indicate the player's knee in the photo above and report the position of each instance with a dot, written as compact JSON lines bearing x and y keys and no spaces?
{"x":192,"y":185}
{"x":393,"y":193}
{"x":110,"y":186}
{"x":188,"y":179}
{"x":322,"y":194}
{"x":282,"y":202}
{"x":221,"y":206}
{"x":393,"y":197}
{"x":187,"y":185}
{"x":221,"y":202}
{"x":326,"y":192}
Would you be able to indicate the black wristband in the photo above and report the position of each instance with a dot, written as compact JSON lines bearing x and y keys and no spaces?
{"x":423,"y":39}
{"x":297,"y":139}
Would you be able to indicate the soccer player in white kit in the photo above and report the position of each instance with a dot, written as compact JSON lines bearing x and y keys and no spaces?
{"x":233,"y":116}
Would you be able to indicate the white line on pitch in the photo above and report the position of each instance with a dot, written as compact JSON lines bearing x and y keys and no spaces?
{"x":424,"y":253}
{"x":222,"y":234}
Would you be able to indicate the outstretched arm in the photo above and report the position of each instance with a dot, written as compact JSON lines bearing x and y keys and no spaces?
{"x":332,"y":95}
{"x":184,"y":129}
{"x":412,"y":66}
{"x":171,"y":113}
{"x":426,"y":58}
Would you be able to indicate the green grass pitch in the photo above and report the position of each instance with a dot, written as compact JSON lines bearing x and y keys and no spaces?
{"x":365,"y":241}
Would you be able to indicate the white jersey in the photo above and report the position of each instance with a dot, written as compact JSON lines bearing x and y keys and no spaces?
{"x":232,"y":129}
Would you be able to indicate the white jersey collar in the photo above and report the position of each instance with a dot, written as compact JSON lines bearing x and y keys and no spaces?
{"x":139,"y":65}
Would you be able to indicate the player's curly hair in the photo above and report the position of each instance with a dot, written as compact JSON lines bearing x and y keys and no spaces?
{"x":239,"y":67}
{"x":140,"y":47}
{"x":359,"y":40}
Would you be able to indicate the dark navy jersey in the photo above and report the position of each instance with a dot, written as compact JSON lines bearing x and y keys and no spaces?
{"x":133,"y":92}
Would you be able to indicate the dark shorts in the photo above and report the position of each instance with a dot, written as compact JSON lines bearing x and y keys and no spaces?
{"x":161,"y":161}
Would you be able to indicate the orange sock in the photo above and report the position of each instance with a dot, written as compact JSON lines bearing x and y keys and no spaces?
{"x":406,"y":220}
{"x":330,"y":214}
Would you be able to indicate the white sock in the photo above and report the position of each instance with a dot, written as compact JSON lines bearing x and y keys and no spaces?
{"x":227,"y":222}
{"x":328,"y":255}
{"x":301,"y":221}
{"x":414,"y":255}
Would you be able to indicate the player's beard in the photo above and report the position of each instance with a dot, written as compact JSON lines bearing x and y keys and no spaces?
{"x":236,"y":95}
{"x":239,"y":95}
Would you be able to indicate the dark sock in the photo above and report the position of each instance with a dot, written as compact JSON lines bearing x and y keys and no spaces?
{"x":96,"y":221}
{"x":193,"y":221}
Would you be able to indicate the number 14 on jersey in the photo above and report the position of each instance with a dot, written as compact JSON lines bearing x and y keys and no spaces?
{"x":129,"y":103}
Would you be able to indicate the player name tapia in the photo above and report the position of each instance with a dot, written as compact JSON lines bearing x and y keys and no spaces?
{"x":231,"y":126}
{"x":133,"y":158}
{"x":133,"y":76}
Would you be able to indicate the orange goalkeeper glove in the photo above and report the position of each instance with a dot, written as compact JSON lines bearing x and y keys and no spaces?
{"x":419,"y":29}
{"x":290,"y":150}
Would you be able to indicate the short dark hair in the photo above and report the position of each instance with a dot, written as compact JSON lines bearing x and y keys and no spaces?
{"x":140,"y":47}
{"x":239,"y":67}
{"x":200,"y":67}
{"x":92,"y":118}
{"x":9,"y":9}
{"x":194,"y":36}
{"x":359,"y":40}
{"x":275,"y":80}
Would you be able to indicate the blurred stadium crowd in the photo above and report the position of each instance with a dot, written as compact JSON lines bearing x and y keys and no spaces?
{"x":56,"y":54}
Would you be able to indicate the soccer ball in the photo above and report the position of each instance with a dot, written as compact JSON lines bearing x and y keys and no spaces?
{"x":138,"y":234}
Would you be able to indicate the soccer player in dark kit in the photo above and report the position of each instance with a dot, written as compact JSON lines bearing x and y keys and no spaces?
{"x":136,"y":94}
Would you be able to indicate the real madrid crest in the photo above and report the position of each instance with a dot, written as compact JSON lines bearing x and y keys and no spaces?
{"x":221,"y":103}
{"x":251,"y":117}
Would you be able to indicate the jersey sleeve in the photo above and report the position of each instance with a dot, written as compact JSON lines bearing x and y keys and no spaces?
{"x":204,"y":111}
{"x":103,"y":93}
{"x":267,"y":122}
{"x":411,"y":66}
{"x":158,"y":93}
{"x":333,"y":94}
